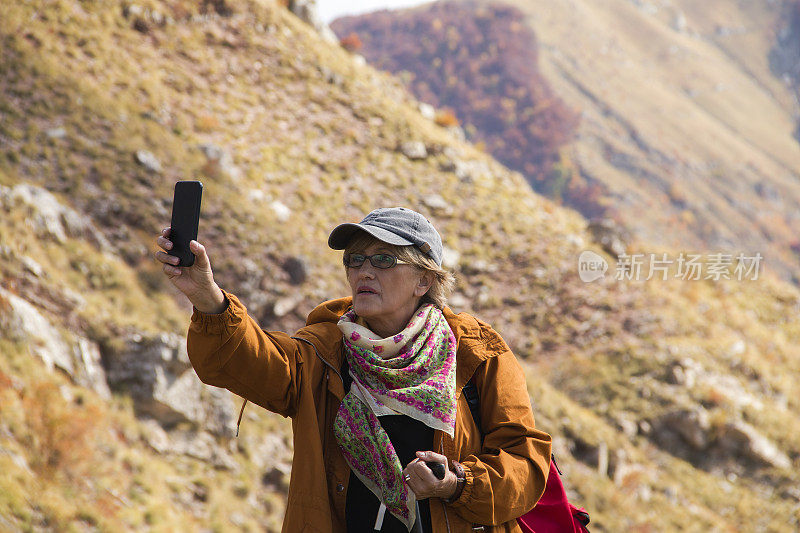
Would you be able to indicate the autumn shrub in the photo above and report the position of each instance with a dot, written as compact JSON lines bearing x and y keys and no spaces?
{"x":482,"y":63}
{"x":62,"y":434}
{"x":351,"y":42}
{"x":446,"y":118}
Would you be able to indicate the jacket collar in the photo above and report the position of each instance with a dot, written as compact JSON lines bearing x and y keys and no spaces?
{"x":476,"y":340}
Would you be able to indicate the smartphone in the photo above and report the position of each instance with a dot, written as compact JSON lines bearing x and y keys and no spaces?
{"x":185,"y":220}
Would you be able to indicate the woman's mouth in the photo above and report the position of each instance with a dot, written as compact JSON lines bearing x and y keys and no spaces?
{"x":366,"y":290}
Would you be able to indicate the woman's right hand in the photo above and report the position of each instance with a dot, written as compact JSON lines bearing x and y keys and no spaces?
{"x":196,"y":281}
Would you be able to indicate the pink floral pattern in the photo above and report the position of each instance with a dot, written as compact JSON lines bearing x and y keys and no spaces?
{"x":418,"y":381}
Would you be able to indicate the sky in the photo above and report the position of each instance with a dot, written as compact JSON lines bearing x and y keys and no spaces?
{"x":332,"y":9}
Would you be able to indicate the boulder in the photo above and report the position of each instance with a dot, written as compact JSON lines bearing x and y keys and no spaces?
{"x":219,"y":161}
{"x":201,"y":445}
{"x":56,"y":133}
{"x":437,"y":203}
{"x":23,"y":322}
{"x":90,"y":372}
{"x":427,"y":111}
{"x":414,"y":150}
{"x":306,"y":10}
{"x":49,"y":217}
{"x":742,"y":439}
{"x":148,"y":160}
{"x":77,"y":357}
{"x":282,"y":212}
{"x":691,"y":425}
{"x":297,"y":270}
{"x":611,"y":236}
{"x":285,"y":305}
{"x":155,"y":436}
{"x":157,"y":374}
{"x":451,"y":258}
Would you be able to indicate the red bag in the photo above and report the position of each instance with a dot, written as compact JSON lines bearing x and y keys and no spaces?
{"x":553,"y":513}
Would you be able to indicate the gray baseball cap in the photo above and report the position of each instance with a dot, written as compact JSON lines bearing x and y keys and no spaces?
{"x":393,"y":225}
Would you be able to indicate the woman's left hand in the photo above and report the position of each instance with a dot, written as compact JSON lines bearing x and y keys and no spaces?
{"x":424,"y":483}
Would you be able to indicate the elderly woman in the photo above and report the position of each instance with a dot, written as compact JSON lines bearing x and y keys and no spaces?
{"x":373,"y":384}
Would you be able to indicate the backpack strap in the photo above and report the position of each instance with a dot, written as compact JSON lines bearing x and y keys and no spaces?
{"x":474,"y":402}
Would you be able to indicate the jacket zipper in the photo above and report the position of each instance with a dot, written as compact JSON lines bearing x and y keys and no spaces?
{"x":327,"y":380}
{"x":320,"y":357}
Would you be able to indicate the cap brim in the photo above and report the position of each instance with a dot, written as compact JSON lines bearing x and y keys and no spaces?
{"x":342,"y":234}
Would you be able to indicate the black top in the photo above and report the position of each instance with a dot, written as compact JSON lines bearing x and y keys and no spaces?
{"x":408,"y":436}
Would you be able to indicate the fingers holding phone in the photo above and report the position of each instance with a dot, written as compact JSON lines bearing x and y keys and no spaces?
{"x":196,"y":281}
{"x":185,"y":260}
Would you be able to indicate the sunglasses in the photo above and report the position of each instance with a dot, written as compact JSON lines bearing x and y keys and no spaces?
{"x":377,"y":260}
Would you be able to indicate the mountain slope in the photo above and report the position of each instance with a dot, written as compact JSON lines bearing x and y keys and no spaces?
{"x":304,"y":136}
{"x":686,"y":136}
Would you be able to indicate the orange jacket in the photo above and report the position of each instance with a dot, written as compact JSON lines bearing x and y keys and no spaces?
{"x":298,"y":376}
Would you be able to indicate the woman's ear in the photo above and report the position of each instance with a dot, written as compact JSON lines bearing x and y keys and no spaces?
{"x":424,"y":283}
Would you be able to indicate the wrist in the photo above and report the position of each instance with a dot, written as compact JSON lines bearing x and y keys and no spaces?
{"x":215,"y":305}
{"x":461,"y":479}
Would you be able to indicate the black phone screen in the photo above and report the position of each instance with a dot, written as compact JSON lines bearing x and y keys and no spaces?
{"x":185,"y":219}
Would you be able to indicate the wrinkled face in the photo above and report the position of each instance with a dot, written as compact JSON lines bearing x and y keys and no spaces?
{"x":386,"y":298}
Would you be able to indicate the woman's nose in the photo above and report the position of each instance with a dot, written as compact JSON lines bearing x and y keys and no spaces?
{"x":366,"y":270}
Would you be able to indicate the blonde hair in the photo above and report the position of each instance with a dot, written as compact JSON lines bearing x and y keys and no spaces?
{"x":443,"y":280}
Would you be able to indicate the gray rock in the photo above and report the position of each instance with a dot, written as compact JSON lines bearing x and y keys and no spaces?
{"x":220,"y":412}
{"x":679,"y":22}
{"x":334,"y":78}
{"x":435,"y":202}
{"x":148,"y":160}
{"x":156,"y":373}
{"x":458,"y":301}
{"x":285,"y":305}
{"x":56,"y":133}
{"x":693,"y":426}
{"x":32,"y":266}
{"x":467,"y":171}
{"x":25,"y":323}
{"x":220,"y":159}
{"x":427,"y":111}
{"x":306,"y":10}
{"x":155,"y":436}
{"x":203,"y":446}
{"x":78,"y":358}
{"x":50,"y":218}
{"x":612,"y":237}
{"x":297,"y":270}
{"x":414,"y":150}
{"x":741,"y":438}
{"x":450,"y":258}
{"x":282,"y":212}
{"x":90,"y":373}
{"x":47,"y":211}
{"x":480,"y":266}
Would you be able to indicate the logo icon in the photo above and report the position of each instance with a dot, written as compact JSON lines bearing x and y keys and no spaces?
{"x":591,"y":266}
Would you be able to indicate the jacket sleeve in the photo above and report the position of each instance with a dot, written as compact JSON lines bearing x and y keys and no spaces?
{"x":508,"y":477}
{"x":230,"y":350}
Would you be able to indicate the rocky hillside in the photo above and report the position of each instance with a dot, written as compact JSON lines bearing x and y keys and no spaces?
{"x":673,"y":400}
{"x":688,"y":110}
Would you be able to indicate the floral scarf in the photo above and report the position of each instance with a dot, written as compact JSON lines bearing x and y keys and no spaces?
{"x":412,"y":373}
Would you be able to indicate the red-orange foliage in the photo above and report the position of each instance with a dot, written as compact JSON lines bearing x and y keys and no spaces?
{"x":446,"y":118}
{"x":481,"y":62}
{"x":63,"y":434}
{"x":351,"y":42}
